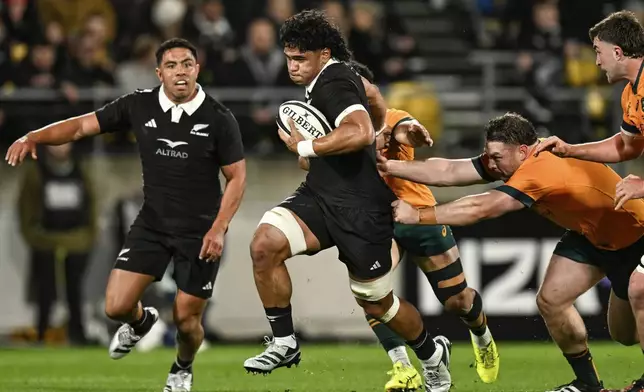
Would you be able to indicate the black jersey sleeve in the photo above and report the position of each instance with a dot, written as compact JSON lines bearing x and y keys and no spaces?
{"x":116,"y":115}
{"x":229,"y":144}
{"x":340,"y":97}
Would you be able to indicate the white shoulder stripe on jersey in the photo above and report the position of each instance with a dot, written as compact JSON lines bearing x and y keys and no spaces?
{"x":346,"y":112}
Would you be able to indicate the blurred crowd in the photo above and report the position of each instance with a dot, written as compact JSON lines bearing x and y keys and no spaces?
{"x":553,"y":50}
{"x":67,"y":45}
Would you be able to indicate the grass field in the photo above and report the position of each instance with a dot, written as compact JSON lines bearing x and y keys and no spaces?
{"x":360,"y":368}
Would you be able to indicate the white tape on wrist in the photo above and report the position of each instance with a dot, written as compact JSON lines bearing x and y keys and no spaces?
{"x":305,"y":149}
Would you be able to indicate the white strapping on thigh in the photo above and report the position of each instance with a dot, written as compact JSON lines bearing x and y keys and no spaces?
{"x":640,"y":266}
{"x":374,"y":290}
{"x":282,"y":219}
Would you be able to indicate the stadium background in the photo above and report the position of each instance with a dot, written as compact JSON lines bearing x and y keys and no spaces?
{"x":453,"y":64}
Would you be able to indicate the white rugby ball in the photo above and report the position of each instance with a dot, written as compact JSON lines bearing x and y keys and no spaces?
{"x":309,"y":121}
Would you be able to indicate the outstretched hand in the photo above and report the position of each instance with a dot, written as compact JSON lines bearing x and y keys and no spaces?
{"x":19,"y":151}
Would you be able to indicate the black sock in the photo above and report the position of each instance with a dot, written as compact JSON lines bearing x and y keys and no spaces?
{"x":584,"y":368}
{"x":144,"y":324}
{"x":424,"y":346}
{"x":281,"y":321}
{"x":388,"y":338}
{"x":480,"y":330}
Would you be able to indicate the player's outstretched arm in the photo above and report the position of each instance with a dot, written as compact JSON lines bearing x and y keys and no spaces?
{"x":61,"y":132}
{"x":618,"y":148}
{"x":436,"y":171}
{"x":377,"y":104}
{"x":462,"y":212}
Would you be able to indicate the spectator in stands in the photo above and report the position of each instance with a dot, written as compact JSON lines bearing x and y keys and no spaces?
{"x":57,"y":211}
{"x":137,"y":72}
{"x":540,"y":61}
{"x":260,"y":63}
{"x":375,"y":44}
{"x":279,"y":10}
{"x":337,"y":13}
{"x":133,"y":19}
{"x":95,"y":29}
{"x":37,"y":70}
{"x":85,"y":69}
{"x":72,"y":15}
{"x":55,"y":36}
{"x":21,"y":21}
{"x":210,"y":29}
{"x":167,"y":17}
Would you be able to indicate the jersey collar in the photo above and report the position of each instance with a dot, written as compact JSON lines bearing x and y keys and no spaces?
{"x":310,"y":86}
{"x":188,"y":107}
{"x":637,"y":79}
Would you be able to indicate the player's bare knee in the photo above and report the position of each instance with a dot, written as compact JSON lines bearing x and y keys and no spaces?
{"x":187,"y":323}
{"x":636,"y":290}
{"x":268,"y":248}
{"x":548,"y":305}
{"x":117,"y":309}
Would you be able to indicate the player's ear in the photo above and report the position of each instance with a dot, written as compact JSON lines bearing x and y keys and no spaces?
{"x":158,"y":72}
{"x":618,"y":53}
{"x":523,"y":151}
{"x":325,"y":55}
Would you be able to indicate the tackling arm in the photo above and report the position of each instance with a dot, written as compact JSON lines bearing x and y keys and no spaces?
{"x":438,"y":172}
{"x":470,"y":209}
{"x":377,"y":104}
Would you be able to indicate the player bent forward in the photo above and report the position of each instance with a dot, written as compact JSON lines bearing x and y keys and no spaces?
{"x":344,"y":203}
{"x":577,"y":195}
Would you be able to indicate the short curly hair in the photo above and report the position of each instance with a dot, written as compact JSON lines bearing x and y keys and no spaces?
{"x":311,"y":30}
{"x":511,"y":128}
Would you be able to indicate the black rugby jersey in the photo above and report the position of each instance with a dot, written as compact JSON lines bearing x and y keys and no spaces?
{"x":182,"y":148}
{"x":352,"y":179}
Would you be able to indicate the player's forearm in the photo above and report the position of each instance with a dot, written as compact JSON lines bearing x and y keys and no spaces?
{"x":610,"y":150}
{"x":462,"y":212}
{"x":377,"y":106}
{"x":59,"y":132}
{"x":230,"y":201}
{"x":346,"y":138}
{"x":434,"y":172}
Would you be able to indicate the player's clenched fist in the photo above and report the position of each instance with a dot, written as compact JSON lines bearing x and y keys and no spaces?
{"x":19,"y":150}
{"x":213,"y":245}
{"x":405,"y":213}
{"x":631,"y":187}
{"x":554,"y":145}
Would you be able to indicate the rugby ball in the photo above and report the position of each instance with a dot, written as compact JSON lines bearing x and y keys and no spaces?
{"x":309,"y":121}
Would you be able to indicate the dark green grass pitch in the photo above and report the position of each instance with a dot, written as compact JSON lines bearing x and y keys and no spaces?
{"x":524,"y":367}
